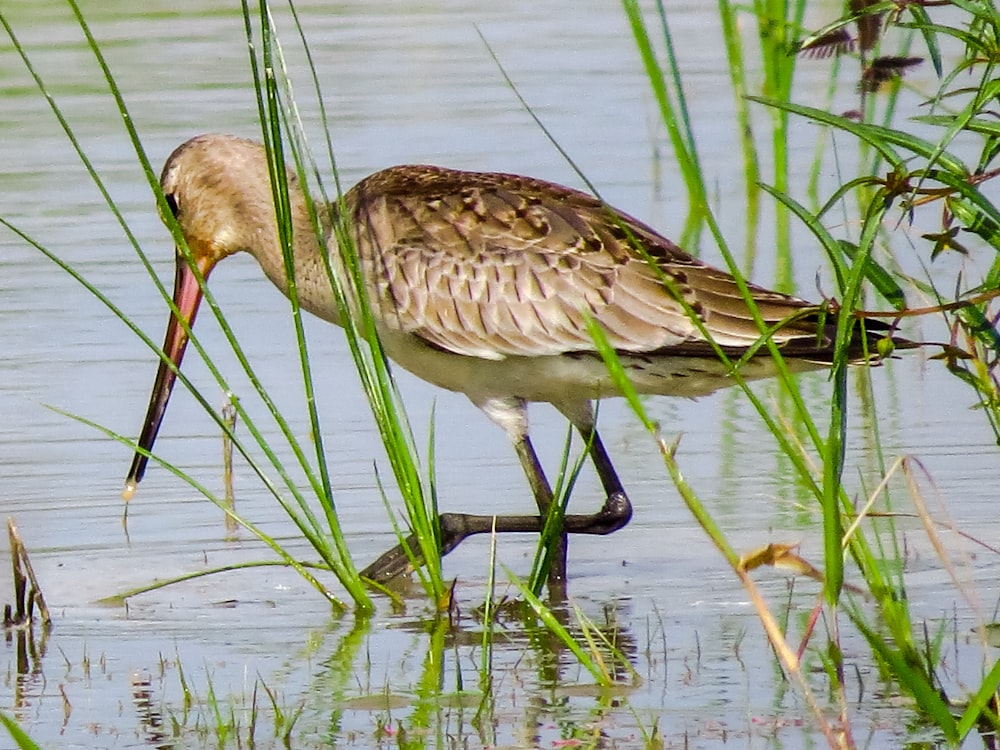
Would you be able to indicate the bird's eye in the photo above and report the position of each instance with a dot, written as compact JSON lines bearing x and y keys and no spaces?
{"x":172,"y":203}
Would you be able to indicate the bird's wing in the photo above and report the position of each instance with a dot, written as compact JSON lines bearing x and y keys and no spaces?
{"x":491,"y":265}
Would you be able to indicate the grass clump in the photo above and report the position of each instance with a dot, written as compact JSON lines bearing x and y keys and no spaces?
{"x":312,"y":510}
{"x":902,"y":172}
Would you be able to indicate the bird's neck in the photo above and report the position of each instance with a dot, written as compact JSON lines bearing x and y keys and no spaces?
{"x":312,"y":282}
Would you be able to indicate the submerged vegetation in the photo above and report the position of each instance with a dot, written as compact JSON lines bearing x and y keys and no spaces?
{"x":904,"y":159}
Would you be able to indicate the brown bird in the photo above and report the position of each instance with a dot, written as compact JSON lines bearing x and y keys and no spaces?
{"x":481,"y":283}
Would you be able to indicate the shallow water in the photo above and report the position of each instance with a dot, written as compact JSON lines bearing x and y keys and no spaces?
{"x":404,"y":83}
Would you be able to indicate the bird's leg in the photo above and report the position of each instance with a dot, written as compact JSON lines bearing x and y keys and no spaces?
{"x":455,"y":527}
{"x":617,"y":509}
{"x":511,"y":415}
{"x":613,"y":515}
{"x":558,"y":542}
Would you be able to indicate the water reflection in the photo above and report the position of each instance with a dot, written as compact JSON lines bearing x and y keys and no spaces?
{"x":457,"y":680}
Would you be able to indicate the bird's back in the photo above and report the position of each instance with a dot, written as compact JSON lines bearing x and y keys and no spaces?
{"x":493,"y":266}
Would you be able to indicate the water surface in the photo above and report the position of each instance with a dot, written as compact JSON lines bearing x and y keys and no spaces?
{"x":404,"y":83}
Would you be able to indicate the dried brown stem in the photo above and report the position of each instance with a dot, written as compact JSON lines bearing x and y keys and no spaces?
{"x":27,"y":592}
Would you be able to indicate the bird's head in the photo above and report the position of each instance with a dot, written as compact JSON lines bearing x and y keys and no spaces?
{"x":217,"y":189}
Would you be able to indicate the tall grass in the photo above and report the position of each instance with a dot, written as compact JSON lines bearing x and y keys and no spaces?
{"x":298,"y":506}
{"x":788,"y":383}
{"x":281,"y":130}
{"x":20,"y":737}
{"x":920,"y":171}
{"x":278,"y":113}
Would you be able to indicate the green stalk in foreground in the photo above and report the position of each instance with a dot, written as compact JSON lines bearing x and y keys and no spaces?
{"x":668,"y":93}
{"x":272,"y":113}
{"x":330,"y":220}
{"x":322,"y":530}
{"x":24,"y":742}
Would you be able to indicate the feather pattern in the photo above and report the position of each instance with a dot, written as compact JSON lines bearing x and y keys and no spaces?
{"x":496,"y":265}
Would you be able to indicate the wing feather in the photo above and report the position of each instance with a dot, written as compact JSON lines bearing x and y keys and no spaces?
{"x":491,"y":266}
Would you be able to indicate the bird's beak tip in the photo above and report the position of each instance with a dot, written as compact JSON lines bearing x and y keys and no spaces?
{"x":129,"y":490}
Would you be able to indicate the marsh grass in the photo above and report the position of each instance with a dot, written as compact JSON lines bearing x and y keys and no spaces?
{"x":332,"y":553}
{"x":919,"y":172}
{"x":587,"y":644}
{"x":776,"y":22}
{"x":216,"y":718}
{"x":787,"y":382}
{"x":20,"y":737}
{"x":566,"y":475}
{"x":278,"y":115}
{"x":281,"y":130}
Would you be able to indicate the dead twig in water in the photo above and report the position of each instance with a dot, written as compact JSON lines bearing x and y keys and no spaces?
{"x":27,"y":592}
{"x":229,"y":414}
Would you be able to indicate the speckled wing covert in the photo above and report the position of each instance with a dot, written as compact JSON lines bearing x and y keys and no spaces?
{"x":489,"y":266}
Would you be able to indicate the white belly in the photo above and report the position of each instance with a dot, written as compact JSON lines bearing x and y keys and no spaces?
{"x":569,"y":377}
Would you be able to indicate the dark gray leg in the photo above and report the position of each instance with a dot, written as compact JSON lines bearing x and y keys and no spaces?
{"x":613,"y":515}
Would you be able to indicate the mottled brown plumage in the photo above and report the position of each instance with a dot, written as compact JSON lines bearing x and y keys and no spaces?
{"x":495,"y":265}
{"x":481,"y":283}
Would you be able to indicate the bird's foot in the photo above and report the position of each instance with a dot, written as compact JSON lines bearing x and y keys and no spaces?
{"x":613,"y":515}
{"x":405,"y":557}
{"x":455,"y":527}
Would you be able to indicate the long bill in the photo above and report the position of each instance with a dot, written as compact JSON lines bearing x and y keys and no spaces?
{"x":187,"y":297}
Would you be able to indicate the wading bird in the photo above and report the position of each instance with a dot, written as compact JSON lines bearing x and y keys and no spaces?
{"x":482,"y":283}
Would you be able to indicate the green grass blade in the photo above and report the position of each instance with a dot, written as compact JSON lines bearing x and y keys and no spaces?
{"x":982,"y":701}
{"x":551,"y":533}
{"x":24,"y":742}
{"x":879,"y":137}
{"x":348,"y":285}
{"x":673,"y":113}
{"x":272,"y":112}
{"x":915,"y":681}
{"x":127,"y":121}
{"x":118,"y":599}
{"x":270,"y":541}
{"x":551,"y":622}
{"x":835,"y":249}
